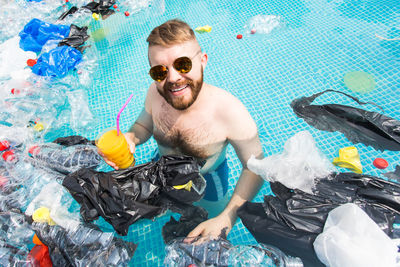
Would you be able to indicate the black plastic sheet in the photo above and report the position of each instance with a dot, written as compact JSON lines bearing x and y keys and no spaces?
{"x":292,"y":220}
{"x":124,"y":196}
{"x":358,"y":125}
{"x":102,"y":7}
{"x":76,"y":38}
{"x":191,"y":217}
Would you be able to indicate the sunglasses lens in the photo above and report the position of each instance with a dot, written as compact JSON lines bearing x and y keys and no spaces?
{"x":183,"y":64}
{"x":158,"y":73}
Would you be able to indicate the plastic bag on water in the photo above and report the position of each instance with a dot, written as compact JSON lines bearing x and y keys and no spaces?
{"x":12,"y":58}
{"x":351,"y":238}
{"x":264,"y":24}
{"x":297,"y":166}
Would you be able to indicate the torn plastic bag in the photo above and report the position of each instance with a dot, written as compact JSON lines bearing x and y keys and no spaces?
{"x":65,"y":159}
{"x":351,"y":238}
{"x":220,"y":252}
{"x":36,"y":33}
{"x":358,"y":125}
{"x":292,"y":220}
{"x":299,"y":164}
{"x":57,"y":62}
{"x":103,"y":7}
{"x":84,"y":247}
{"x":70,"y":11}
{"x":124,"y":196}
{"x":76,"y":38}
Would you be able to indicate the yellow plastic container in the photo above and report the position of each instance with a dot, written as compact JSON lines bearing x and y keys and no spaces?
{"x":115,"y":148}
{"x":349,"y":159}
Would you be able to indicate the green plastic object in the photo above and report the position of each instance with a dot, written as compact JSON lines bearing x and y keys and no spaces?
{"x":359,"y":82}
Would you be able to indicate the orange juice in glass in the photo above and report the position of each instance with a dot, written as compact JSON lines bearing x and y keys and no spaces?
{"x":113,"y":145}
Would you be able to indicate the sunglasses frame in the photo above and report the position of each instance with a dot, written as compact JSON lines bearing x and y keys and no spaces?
{"x":166,"y":68}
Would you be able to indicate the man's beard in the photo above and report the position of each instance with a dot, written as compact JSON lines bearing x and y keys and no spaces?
{"x":178,"y":102}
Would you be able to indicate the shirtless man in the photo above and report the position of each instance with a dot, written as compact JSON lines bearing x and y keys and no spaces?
{"x":187,"y":116}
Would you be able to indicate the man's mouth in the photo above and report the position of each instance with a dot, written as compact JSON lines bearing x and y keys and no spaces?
{"x":179,"y":90}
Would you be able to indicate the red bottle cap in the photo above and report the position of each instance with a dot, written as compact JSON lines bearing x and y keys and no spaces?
{"x":4,"y":145}
{"x":15,"y":91}
{"x":31,"y":62}
{"x":9,"y":155}
{"x":239,"y":36}
{"x":126,"y":13}
{"x":34,"y":150}
{"x":115,"y":6}
{"x":380,"y":163}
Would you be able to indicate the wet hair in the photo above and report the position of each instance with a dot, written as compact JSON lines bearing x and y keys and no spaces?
{"x":171,"y":33}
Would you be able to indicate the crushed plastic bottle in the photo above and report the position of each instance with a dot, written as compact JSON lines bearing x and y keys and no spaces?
{"x":65,"y":159}
{"x":220,"y":252}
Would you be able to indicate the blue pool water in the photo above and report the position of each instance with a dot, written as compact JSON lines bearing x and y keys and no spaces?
{"x":317,"y":43}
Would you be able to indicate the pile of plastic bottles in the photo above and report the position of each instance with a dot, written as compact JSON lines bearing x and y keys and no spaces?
{"x":44,"y":77}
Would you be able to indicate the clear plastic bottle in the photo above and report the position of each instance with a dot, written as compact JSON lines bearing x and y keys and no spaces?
{"x":220,"y":252}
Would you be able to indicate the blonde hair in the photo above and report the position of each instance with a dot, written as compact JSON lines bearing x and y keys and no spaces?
{"x":171,"y":33}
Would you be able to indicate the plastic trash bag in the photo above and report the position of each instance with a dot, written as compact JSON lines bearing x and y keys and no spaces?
{"x":358,"y":125}
{"x":65,"y":159}
{"x":12,"y":58}
{"x":220,"y":252}
{"x":57,"y":62}
{"x":36,"y":33}
{"x":124,"y":196}
{"x":264,"y":24}
{"x":351,"y":238}
{"x":297,"y":166}
{"x":191,"y":217}
{"x":292,"y":220}
{"x":76,"y":38}
{"x":102,"y":7}
{"x":84,"y":247}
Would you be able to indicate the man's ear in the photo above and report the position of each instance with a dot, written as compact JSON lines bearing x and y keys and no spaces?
{"x":204,"y":59}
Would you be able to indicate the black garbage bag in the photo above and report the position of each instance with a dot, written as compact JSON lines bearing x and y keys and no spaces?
{"x":124,"y":196}
{"x":191,"y":217}
{"x":292,"y":220}
{"x":102,"y":7}
{"x":85,"y":246}
{"x":358,"y":125}
{"x":70,"y":11}
{"x":76,"y":38}
{"x":394,"y":175}
{"x":73,"y":140}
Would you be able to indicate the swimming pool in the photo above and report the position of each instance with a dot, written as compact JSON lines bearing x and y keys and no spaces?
{"x":317,"y":43}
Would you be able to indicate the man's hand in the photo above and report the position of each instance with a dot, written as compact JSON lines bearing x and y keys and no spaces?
{"x":130,"y":138}
{"x":212,"y":228}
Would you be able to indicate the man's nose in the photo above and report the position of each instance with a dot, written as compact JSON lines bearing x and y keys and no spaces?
{"x":173,"y":75}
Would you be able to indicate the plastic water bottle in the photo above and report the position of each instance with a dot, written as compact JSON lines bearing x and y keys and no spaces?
{"x":65,"y":159}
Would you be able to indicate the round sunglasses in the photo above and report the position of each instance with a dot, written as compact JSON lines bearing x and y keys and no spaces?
{"x":181,"y":65}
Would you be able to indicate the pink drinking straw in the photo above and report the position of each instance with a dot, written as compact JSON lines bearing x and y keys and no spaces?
{"x":119,"y":113}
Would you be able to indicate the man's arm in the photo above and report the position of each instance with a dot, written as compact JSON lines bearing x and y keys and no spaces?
{"x":242,"y":134}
